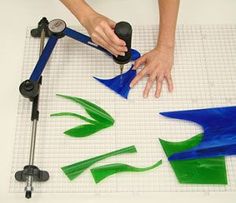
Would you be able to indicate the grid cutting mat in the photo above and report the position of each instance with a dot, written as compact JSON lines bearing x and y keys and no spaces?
{"x":204,"y":75}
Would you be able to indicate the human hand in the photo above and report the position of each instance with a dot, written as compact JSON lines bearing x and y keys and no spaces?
{"x":101,"y":30}
{"x":157,"y":65}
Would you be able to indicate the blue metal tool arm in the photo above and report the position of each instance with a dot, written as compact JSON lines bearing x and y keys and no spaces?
{"x":83,"y":38}
{"x":43,"y":59}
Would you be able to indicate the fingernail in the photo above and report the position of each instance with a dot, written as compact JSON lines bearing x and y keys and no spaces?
{"x":123,"y":54}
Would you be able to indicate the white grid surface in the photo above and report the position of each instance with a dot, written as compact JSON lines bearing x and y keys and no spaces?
{"x":204,"y":76}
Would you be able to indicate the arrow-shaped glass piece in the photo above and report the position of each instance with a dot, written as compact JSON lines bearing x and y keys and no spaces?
{"x":219,"y":125}
{"x":121,"y":83}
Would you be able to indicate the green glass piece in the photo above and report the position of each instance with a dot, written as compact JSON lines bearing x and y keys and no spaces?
{"x":101,"y":118}
{"x":76,"y":116}
{"x":195,"y":171}
{"x":74,"y":170}
{"x":102,"y":172}
{"x":83,"y":130}
{"x":93,"y":110}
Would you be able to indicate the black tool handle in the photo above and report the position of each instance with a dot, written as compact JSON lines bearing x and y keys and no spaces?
{"x":124,"y":31}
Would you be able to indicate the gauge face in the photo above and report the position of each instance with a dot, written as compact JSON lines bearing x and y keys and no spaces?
{"x":57,"y":26}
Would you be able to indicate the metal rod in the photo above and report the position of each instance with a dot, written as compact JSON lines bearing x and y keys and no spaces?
{"x":33,"y":141}
{"x":121,"y":69}
{"x":42,"y":40}
{"x":29,"y":181}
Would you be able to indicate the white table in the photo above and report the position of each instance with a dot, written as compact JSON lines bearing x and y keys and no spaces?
{"x":16,"y":15}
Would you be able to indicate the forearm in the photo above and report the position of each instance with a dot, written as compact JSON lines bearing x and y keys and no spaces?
{"x":79,"y":8}
{"x":168,"y":18}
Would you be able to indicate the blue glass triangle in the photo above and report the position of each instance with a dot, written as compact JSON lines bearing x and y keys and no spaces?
{"x":219,"y":125}
{"x":120,"y":84}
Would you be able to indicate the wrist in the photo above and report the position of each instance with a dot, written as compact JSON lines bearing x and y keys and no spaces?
{"x":165,"y":46}
{"x":79,"y":8}
{"x":84,"y":14}
{"x":167,"y":42}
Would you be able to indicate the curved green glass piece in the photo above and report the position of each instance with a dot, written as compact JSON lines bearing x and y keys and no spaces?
{"x":101,"y":172}
{"x":70,"y":114}
{"x":101,"y":118}
{"x":96,"y":112}
{"x":195,"y":171}
{"x":74,"y":170}
{"x":83,"y":130}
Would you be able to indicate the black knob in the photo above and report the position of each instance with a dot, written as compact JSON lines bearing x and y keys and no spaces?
{"x":28,"y":85}
{"x":42,"y":25}
{"x":124,"y":31}
{"x":29,"y":89}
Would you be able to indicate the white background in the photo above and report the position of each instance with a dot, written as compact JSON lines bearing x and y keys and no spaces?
{"x":16,"y":15}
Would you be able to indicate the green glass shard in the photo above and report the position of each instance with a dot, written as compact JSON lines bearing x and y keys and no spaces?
{"x":74,"y":170}
{"x":195,"y":171}
{"x":102,"y":172}
{"x":99,"y":120}
{"x":76,"y":116}
{"x":96,"y":112}
{"x":83,"y":130}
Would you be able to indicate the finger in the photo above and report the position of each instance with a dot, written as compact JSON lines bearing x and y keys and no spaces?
{"x":111,"y":23}
{"x":119,"y":50}
{"x":169,"y":83}
{"x":99,"y":41}
{"x":158,"y":87}
{"x":149,"y":85}
{"x":139,"y":62}
{"x":112,"y":36}
{"x":138,"y":77}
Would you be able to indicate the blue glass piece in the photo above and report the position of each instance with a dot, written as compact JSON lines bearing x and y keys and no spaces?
{"x":43,"y":59}
{"x":120,"y":84}
{"x":134,"y":55}
{"x":87,"y":40}
{"x":219,"y":125}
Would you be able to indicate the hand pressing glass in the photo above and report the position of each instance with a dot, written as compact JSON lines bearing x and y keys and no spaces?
{"x":157,"y":65}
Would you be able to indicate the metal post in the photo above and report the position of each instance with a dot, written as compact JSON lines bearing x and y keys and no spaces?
{"x":29,"y":181}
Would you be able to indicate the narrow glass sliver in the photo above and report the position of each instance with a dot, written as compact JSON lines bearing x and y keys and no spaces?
{"x":101,"y":172}
{"x":74,"y":170}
